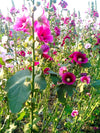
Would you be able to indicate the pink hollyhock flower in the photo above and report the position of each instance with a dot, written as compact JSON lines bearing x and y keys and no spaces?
{"x":10,"y":33}
{"x":57,"y":31}
{"x":98,"y":39}
{"x":54,"y":8}
{"x":55,"y":52}
{"x":0,"y":66}
{"x":66,"y":37}
{"x":68,"y":78}
{"x":24,"y":8}
{"x":36,"y":63}
{"x":62,"y":70}
{"x":85,"y":79}
{"x":87,"y":45}
{"x":45,"y":48}
{"x":79,"y":57}
{"x":22,"y":24}
{"x":95,"y":14}
{"x":29,"y":52}
{"x":45,"y":71}
{"x":48,"y":57}
{"x":22,"y":68}
{"x":72,"y":23}
{"x":22,"y":53}
{"x":66,"y":20}
{"x":8,"y":19}
{"x":74,"y":113}
{"x":44,"y":34}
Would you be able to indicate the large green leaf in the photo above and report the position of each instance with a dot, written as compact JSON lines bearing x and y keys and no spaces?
{"x":62,"y":89}
{"x":19,"y":88}
{"x":96,"y":84}
{"x":40,"y":81}
{"x":86,"y":65}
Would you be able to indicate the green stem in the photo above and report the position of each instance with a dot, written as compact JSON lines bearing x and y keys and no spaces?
{"x":33,"y":74}
{"x":50,"y":3}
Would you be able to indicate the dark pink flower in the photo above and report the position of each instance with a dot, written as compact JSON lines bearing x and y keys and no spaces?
{"x":98,"y":39}
{"x":22,"y":24}
{"x":66,"y":20}
{"x":22,"y":53}
{"x":30,"y":68}
{"x":45,"y":48}
{"x":55,"y":52}
{"x":36,"y":63}
{"x":85,"y":79}
{"x":10,"y":33}
{"x":48,"y":57}
{"x":0,"y":66}
{"x":62,"y":70}
{"x":57,"y":31}
{"x":95,"y":14}
{"x":44,"y":34}
{"x":45,"y":71}
{"x":79,"y":57}
{"x":68,"y":78}
{"x":74,"y":113}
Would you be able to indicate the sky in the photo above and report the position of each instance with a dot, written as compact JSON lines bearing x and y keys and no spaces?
{"x":79,"y":5}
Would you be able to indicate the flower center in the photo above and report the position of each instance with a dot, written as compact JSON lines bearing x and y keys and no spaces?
{"x":68,"y":79}
{"x":79,"y":59}
{"x":64,"y":71}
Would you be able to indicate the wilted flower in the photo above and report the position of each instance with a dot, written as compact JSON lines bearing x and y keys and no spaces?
{"x":48,"y":57}
{"x":85,"y":79}
{"x":68,"y":78}
{"x":57,"y":31}
{"x":62,"y":70}
{"x":74,"y":113}
{"x":45,"y":71}
{"x":79,"y":57}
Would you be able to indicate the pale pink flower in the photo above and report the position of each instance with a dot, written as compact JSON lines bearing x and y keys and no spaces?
{"x":87,"y":45}
{"x":74,"y":113}
{"x":62,"y":70}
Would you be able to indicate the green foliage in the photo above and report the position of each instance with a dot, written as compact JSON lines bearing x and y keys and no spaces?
{"x":1,"y":61}
{"x":96,"y":84}
{"x":86,"y":65}
{"x":18,"y":88}
{"x":40,"y":81}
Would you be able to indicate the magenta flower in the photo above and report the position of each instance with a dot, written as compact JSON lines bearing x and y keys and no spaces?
{"x":74,"y":113}
{"x":95,"y":14}
{"x":57,"y":31}
{"x":0,"y":65}
{"x":66,"y":37}
{"x":22,"y":53}
{"x":68,"y":78}
{"x":85,"y":79}
{"x":45,"y":71}
{"x":44,"y":34}
{"x":62,"y":70}
{"x":79,"y":57}
{"x":36,"y":63}
{"x":23,"y":24}
{"x":10,"y":33}
{"x":45,"y":48}
{"x":13,"y":10}
{"x":98,"y":39}
{"x":24,"y":8}
{"x":48,"y":57}
{"x":8,"y":19}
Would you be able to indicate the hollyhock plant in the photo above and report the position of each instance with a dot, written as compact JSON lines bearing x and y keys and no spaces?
{"x":22,"y":24}
{"x":62,"y":70}
{"x":44,"y":34}
{"x":85,"y":79}
{"x":74,"y":113}
{"x":45,"y":48}
{"x":36,"y":63}
{"x":79,"y":58}
{"x":45,"y":71}
{"x":68,"y":78}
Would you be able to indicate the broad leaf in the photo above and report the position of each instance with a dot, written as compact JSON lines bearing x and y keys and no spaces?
{"x":1,"y":61}
{"x":40,"y":80}
{"x":19,"y":88}
{"x":96,"y":84}
{"x":86,"y":65}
